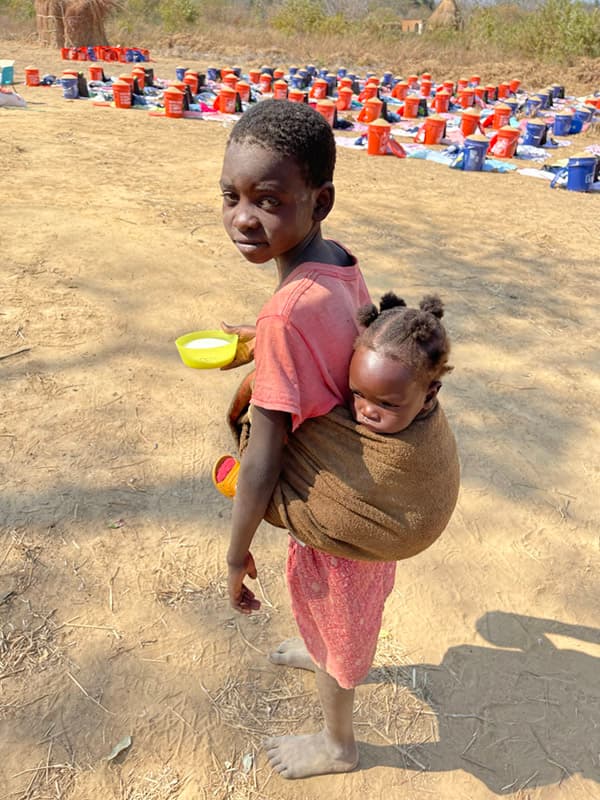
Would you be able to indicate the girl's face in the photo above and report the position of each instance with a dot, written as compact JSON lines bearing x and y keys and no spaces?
{"x":269,"y":211}
{"x":387,"y":395}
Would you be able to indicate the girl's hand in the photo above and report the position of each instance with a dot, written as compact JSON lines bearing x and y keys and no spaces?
{"x":245,"y":347}
{"x":241,"y":598}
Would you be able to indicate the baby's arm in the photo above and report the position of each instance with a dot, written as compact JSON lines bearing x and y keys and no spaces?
{"x":259,"y":471}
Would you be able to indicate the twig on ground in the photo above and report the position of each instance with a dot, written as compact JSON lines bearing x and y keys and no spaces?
{"x":89,"y":696}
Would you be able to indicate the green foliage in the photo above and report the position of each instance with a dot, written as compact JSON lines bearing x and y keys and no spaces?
{"x":299,"y":16}
{"x":18,"y":9}
{"x":178,"y":14}
{"x":556,"y":30}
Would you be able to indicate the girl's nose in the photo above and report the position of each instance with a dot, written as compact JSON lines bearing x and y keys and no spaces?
{"x":245,"y":216}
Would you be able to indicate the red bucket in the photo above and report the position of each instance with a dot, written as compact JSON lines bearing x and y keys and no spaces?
{"x":327,"y":109}
{"x":122,"y":94}
{"x":173,"y":102}
{"x":411,"y":106}
{"x":378,"y":137}
{"x":504,"y":143}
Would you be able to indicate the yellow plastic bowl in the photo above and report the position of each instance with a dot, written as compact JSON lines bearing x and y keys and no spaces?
{"x":200,"y":349}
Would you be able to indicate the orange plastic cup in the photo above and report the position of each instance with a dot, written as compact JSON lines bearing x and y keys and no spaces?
{"x":378,"y":137}
{"x":173,"y":102}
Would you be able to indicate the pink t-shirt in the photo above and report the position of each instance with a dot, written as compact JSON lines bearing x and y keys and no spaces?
{"x":304,"y":339}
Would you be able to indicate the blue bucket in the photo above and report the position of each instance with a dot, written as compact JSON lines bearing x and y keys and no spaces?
{"x":474,"y":154}
{"x":584,"y":114}
{"x":293,"y":70}
{"x":532,"y":106}
{"x":387,"y":78}
{"x":534,"y":132}
{"x":211,"y":74}
{"x":70,"y":90}
{"x":580,"y":173}
{"x":543,"y":98}
{"x":562,"y":124}
{"x":342,"y":71}
{"x":180,"y":73}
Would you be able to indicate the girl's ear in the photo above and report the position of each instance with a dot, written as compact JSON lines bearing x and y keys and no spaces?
{"x":434,"y":388}
{"x":324,"y":201}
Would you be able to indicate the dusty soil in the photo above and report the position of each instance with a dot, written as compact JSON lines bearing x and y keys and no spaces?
{"x":113,"y":620}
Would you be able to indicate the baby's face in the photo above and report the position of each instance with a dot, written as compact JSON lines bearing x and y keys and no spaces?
{"x":386,"y":394}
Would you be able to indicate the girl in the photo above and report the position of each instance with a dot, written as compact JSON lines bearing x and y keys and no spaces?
{"x":277,"y":189}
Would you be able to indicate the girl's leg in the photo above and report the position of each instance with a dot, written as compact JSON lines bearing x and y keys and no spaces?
{"x":331,"y":750}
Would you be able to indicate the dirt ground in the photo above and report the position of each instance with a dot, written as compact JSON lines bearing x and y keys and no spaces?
{"x":113,"y":620}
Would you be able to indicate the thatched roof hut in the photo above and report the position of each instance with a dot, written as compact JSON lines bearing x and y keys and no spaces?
{"x":72,"y":23}
{"x":446,"y":15}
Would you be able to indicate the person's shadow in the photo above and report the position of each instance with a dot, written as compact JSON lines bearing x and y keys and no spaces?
{"x":518,"y":715}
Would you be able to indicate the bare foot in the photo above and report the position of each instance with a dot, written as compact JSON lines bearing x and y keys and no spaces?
{"x":303,"y":756}
{"x":293,"y":653}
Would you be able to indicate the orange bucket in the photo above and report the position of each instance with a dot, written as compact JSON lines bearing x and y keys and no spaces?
{"x":514,"y":85}
{"x":140,"y":75}
{"x":400,"y":90}
{"x":412,"y":80}
{"x":264,"y":84}
{"x":480,"y":93}
{"x":243,"y":89}
{"x":96,"y":73}
{"x":502,"y":114}
{"x":504,"y":143}
{"x":318,"y":91}
{"x":466,"y":97}
{"x":122,"y":94}
{"x":449,"y":87}
{"x":378,"y":137}
{"x":469,"y":122}
{"x":441,"y":102}
{"x":128,"y":79}
{"x":411,"y":106}
{"x":229,"y":80}
{"x":278,"y":74}
{"x":254,"y":75}
{"x":346,"y":83}
{"x":503,"y":90}
{"x":425,"y":88}
{"x":296,"y":95}
{"x":227,"y":100}
{"x":344,"y":101}
{"x":191,"y":79}
{"x":280,"y":90}
{"x":371,"y":110}
{"x":426,"y":76}
{"x":369,"y":91}
{"x":327,"y":109}
{"x":32,"y":76}
{"x":178,"y":85}
{"x":462,"y":83}
{"x":173,"y":102}
{"x":475,"y":80}
{"x":431,"y":131}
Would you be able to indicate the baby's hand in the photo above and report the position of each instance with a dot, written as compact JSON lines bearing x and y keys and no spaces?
{"x":245,"y":346}
{"x":240,"y":597}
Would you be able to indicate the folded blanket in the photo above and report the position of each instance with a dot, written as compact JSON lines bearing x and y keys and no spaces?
{"x":357,"y":494}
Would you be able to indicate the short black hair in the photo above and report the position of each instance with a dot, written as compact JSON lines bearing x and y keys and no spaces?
{"x":292,"y":129}
{"x":416,"y":337}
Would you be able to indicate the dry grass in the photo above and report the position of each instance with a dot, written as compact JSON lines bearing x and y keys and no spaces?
{"x":179,"y":577}
{"x":163,"y":785}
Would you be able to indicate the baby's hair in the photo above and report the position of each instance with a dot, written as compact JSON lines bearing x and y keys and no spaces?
{"x":293,"y":129}
{"x":414,"y":336}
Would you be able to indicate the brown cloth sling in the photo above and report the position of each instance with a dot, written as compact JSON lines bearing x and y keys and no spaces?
{"x":357,"y":494}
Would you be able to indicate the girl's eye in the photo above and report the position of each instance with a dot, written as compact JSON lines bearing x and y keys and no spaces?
{"x":356,"y":393}
{"x":268,"y":202}
{"x":229,"y":198}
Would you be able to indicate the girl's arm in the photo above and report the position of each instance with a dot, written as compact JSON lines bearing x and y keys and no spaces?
{"x":259,"y":471}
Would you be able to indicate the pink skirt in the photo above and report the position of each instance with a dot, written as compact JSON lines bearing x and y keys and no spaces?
{"x":338,"y":605}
